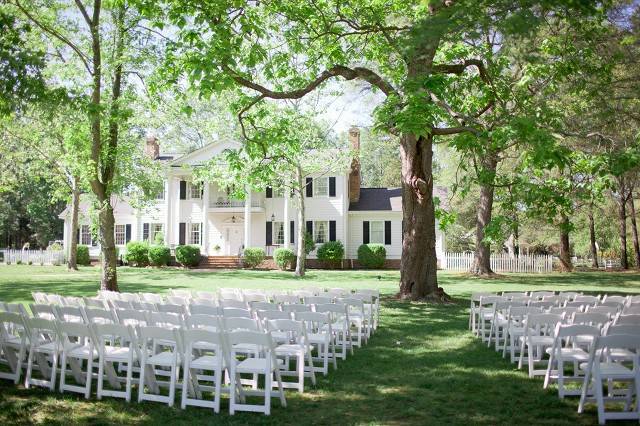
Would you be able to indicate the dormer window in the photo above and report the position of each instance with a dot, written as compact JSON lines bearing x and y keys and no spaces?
{"x":195,"y":191}
{"x":321,"y":187}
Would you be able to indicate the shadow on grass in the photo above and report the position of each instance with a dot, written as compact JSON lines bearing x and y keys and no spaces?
{"x":421,"y":367}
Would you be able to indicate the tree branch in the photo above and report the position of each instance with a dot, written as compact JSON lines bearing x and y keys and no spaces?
{"x":459,"y":68}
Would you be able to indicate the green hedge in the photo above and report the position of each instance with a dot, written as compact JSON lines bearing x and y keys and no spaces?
{"x":159,"y":255}
{"x":137,"y":253}
{"x":372,"y":255}
{"x":188,"y":256}
{"x":331,"y":253}
{"x":284,"y":258}
{"x":309,"y":243}
{"x":253,"y":256}
{"x":82,"y":255}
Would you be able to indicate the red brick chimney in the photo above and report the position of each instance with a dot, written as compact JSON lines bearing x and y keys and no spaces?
{"x":354,"y":175}
{"x":151,"y":148}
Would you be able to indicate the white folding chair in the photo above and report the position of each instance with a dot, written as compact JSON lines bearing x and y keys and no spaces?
{"x":485,"y":314}
{"x":264,"y":363}
{"x":297,"y":347}
{"x":538,"y":336}
{"x":152,"y":298}
{"x":43,"y":311}
{"x":285,"y":299}
{"x":205,"y":310}
{"x":318,"y":300}
{"x":232,"y":303}
{"x":296,"y":308}
{"x":99,"y":316}
{"x":601,"y":369}
{"x":339,"y":326}
{"x":116,"y":344}
{"x":358,"y":324}
{"x":321,"y":336}
{"x":172,"y":309}
{"x":203,"y":302}
{"x":264,"y":306}
{"x":13,"y":344}
{"x":627,"y":319}
{"x":159,"y":348}
{"x":91,"y":302}
{"x":69,"y":314}
{"x":515,"y":330}
{"x":500,"y":321}
{"x":236,"y":313}
{"x":77,"y":348}
{"x":375,"y":297}
{"x":186,"y":294}
{"x":538,"y":295}
{"x":39,"y":297}
{"x":44,"y":346}
{"x":178,"y":300}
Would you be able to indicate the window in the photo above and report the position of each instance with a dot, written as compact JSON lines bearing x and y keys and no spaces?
{"x":121,"y":235}
{"x":376,"y":232}
{"x":194,"y":234}
{"x":278,"y":233}
{"x":195,"y":191}
{"x":85,"y":235}
{"x":156,"y":231}
{"x":321,"y":231}
{"x":160,"y":194}
{"x":320,"y":187}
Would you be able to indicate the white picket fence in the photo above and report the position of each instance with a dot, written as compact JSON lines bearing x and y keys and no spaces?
{"x":36,"y":257}
{"x":501,"y":263}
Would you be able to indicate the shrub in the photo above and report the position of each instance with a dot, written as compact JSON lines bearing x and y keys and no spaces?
{"x":331,"y":253}
{"x":284,"y":258}
{"x":137,"y":253}
{"x":253,"y":256}
{"x":309,"y":244}
{"x":82,"y":255}
{"x":372,"y":255}
{"x":159,"y":255}
{"x":188,"y":256}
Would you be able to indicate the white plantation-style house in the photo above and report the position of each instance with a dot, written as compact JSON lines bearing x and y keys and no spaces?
{"x":337,"y":208}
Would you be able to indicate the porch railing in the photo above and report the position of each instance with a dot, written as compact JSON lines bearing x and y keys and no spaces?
{"x":227,"y":204}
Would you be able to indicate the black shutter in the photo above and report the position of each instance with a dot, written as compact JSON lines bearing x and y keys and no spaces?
{"x":201,"y":233}
{"x":309,"y":187}
{"x":365,"y":232}
{"x":310,"y":227}
{"x":332,"y":186}
{"x":269,"y":233}
{"x":269,"y":192}
{"x":145,"y":232}
{"x":387,"y":232}
{"x":183,"y":189}
{"x":292,"y":232}
{"x":182,"y":233}
{"x":127,"y":233}
{"x":332,"y":230}
{"x":78,"y":235}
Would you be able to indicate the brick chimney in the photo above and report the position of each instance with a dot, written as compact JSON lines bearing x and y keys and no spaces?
{"x":354,"y":175}
{"x":151,"y":148}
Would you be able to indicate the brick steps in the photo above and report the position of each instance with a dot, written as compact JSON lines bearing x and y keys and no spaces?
{"x":220,"y":262}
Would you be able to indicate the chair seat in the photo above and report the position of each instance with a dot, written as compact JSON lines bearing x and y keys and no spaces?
{"x":164,"y":358}
{"x":82,"y":352}
{"x":611,"y":370}
{"x":318,"y":338}
{"x":246,"y":347}
{"x":291,"y":349}
{"x":206,"y":362}
{"x":570,"y":354}
{"x":117,"y":352}
{"x":47,"y":347}
{"x":13,"y":341}
{"x":620,"y":354}
{"x":254,"y":365}
{"x":540,"y":340}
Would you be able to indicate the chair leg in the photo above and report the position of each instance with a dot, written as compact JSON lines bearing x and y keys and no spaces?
{"x":87,"y":391}
{"x":143,"y":371}
{"x":100,"y":377}
{"x":267,"y":392}
{"x":599,"y":398}
{"x":585,"y":390}
{"x":560,"y":378}
{"x":218,"y":385}
{"x":63,"y":375}
{"x":54,"y":362}
{"x":129,"y":378}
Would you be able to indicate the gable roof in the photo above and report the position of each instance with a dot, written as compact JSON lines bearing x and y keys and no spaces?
{"x":389,"y":199}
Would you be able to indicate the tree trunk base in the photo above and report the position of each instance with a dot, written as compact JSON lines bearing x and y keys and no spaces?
{"x":437,"y":297}
{"x":483,"y":274}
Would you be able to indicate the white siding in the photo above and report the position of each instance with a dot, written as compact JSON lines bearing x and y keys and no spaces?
{"x":394,"y":250}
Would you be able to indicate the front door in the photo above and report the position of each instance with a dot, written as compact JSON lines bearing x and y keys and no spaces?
{"x":234,"y":236}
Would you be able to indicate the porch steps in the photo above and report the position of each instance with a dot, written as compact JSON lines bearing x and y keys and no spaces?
{"x":220,"y":262}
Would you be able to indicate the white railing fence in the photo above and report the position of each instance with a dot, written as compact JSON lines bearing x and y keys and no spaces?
{"x":35,"y":257}
{"x":501,"y":262}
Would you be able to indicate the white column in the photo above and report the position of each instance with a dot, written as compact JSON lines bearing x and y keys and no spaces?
{"x":205,"y":218}
{"x":168,"y":201}
{"x":66,"y":237}
{"x":247,"y":217}
{"x":285,"y":218}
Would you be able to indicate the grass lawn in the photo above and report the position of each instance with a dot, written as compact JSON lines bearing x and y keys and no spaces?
{"x":421,"y":367}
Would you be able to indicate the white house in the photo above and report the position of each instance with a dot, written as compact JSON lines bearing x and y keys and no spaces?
{"x":337,"y":208}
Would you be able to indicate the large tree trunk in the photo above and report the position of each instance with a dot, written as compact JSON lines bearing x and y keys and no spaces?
{"x":301,"y":258}
{"x":418,"y":279}
{"x":72,"y":264}
{"x":634,"y":229}
{"x":565,"y":250}
{"x":109,"y":260}
{"x":592,"y":240}
{"x":482,"y":259}
{"x":622,"y":221}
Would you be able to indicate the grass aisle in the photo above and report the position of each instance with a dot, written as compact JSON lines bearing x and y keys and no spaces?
{"x":421,"y":367}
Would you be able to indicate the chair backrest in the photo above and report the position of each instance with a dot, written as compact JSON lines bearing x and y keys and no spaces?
{"x":629,"y":342}
{"x":567,"y":310}
{"x":69,"y":314}
{"x":54,"y":299}
{"x":315,"y":321}
{"x":568,"y":295}
{"x":286,"y":299}
{"x":145,"y":306}
{"x":613,"y":304}
{"x":206,"y":295}
{"x":151,"y":298}
{"x":628,"y":319}
{"x":131,"y":317}
{"x":11,"y":325}
{"x":231,"y":324}
{"x":587,"y":300}
{"x":205,"y":310}
{"x":177,"y":300}
{"x":337,"y":311}
{"x":273,"y":315}
{"x":338,"y":292}
{"x":186,"y":294}
{"x":233,"y":303}
{"x":538,"y":295}
{"x":615,"y":298}
{"x":544,"y":305}
{"x":296,"y":308}
{"x":112,"y":334}
{"x":631,"y":310}
{"x":590,"y":318}
{"x":129,"y":297}
{"x":208,"y":322}
{"x":254,"y":297}
{"x":43,"y":311}
{"x":192,"y":337}
{"x":542,"y":324}
{"x":120,"y":304}
{"x":264,"y":306}
{"x":236,"y":313}
{"x":262,"y":340}
{"x":165,"y":319}
{"x":607,"y":310}
{"x":574,"y":304}
{"x":318,"y":300}
{"x":93,"y":302}
{"x":511,"y":294}
{"x":151,"y":333}
{"x":203,"y":301}
{"x":489,"y":301}
{"x":39,"y":297}
{"x":623,"y":329}
{"x":476,"y":296}
{"x":173,"y":309}
{"x":517,"y":314}
{"x":565,"y":332}
{"x":99,"y":316}
{"x":72,"y":301}
{"x":73,"y":332}
{"x":42,"y":328}
{"x":296,"y":329}
{"x":229,"y":294}
{"x":556,"y":300}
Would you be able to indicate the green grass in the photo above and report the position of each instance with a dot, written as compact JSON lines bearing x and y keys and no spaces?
{"x":421,"y":367}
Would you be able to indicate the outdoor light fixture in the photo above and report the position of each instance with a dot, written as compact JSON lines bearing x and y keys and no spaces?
{"x":233,"y":219}
{"x":273,"y":217}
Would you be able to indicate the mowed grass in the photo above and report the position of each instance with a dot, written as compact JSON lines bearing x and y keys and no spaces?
{"x":421,"y":367}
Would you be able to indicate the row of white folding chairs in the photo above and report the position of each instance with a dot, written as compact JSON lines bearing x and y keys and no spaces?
{"x":212,"y":345}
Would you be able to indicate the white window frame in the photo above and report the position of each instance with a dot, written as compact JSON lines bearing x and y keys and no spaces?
{"x":155,"y":228}
{"x":195,"y":191}
{"x":160,"y":195}
{"x":85,"y":235}
{"x":373,"y":240}
{"x":316,"y":235}
{"x":195,"y":233}
{"x":325,"y":187}
{"x":120,"y":234}
{"x":277,"y":233}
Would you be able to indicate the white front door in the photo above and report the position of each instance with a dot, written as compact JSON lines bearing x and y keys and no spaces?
{"x":234,"y":236}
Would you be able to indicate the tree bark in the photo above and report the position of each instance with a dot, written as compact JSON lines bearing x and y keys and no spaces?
{"x":622,"y":221}
{"x":634,"y":229}
{"x":482,"y":260}
{"x":109,"y":260}
{"x":592,"y":240}
{"x":301,"y":258}
{"x":72,"y":264}
{"x":565,"y":250}
{"x":418,"y":278}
